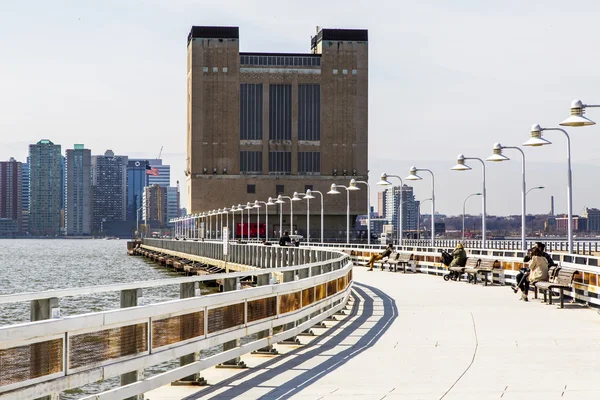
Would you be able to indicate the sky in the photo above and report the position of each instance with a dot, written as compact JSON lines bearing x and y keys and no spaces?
{"x":445,"y":78}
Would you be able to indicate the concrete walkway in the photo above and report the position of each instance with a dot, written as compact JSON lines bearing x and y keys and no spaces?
{"x":415,"y":336}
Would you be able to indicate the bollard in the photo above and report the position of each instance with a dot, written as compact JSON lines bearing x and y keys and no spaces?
{"x":187,"y":290}
{"x":230,"y":284}
{"x":132,"y":298}
{"x":263,"y":280}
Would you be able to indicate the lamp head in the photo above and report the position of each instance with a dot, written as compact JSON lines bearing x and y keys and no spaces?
{"x":295,"y":197}
{"x":334,"y":189}
{"x":279,"y":200}
{"x":536,"y":138}
{"x":256,"y":205}
{"x":270,"y":202}
{"x":460,"y":164}
{"x":352,"y":185}
{"x":576,"y":118}
{"x":384,"y":180}
{"x":412,"y":175}
{"x":309,"y":194}
{"x":497,"y":155}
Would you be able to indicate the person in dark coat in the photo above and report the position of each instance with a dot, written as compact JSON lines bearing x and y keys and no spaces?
{"x":459,"y":256}
{"x":285,"y":239}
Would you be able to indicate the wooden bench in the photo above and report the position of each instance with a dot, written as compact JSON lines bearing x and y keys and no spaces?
{"x":563,"y":279}
{"x":393,"y":256}
{"x":401,"y":259}
{"x":472,"y":264}
{"x":485,"y":267}
{"x":552,"y":271}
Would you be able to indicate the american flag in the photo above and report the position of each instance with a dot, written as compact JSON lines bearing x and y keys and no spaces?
{"x":151,"y":170}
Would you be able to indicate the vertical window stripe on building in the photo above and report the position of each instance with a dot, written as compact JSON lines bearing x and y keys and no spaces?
{"x":280,"y":162}
{"x":280,"y":112}
{"x":309,"y":162}
{"x":309,"y":112}
{"x":251,"y":162}
{"x":251,"y":97}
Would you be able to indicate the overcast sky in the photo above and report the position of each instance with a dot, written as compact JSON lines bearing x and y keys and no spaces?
{"x":446,"y":77}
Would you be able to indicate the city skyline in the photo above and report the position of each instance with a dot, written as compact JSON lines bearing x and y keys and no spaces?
{"x":447,"y":100}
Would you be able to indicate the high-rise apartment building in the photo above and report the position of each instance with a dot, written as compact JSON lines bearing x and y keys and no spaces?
{"x":263,"y":124}
{"x":163,"y":178}
{"x":155,"y":206}
{"x":109,"y":180}
{"x":78,"y":198}
{"x":409,"y":208}
{"x":11,"y":192}
{"x":25,"y":197}
{"x":381,"y":204}
{"x":137,"y":180}
{"x":172,"y":204}
{"x":45,"y":189}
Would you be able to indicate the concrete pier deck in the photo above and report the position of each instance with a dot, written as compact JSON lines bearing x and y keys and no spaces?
{"x":414,"y":336}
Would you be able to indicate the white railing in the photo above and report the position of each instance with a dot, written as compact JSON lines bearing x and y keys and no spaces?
{"x":62,"y":353}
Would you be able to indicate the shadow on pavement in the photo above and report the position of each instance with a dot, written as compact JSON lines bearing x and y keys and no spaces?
{"x":335,"y":336}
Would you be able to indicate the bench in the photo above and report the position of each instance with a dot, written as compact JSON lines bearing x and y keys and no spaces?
{"x":393,"y":256}
{"x":401,"y":259}
{"x":563,"y":279}
{"x":471,"y":264}
{"x":485,"y":267}
{"x":552,"y":271}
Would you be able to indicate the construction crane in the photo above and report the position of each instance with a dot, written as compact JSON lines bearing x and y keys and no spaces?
{"x":160,"y":153}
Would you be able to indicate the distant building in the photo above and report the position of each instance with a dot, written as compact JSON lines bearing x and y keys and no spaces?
{"x":8,"y":227}
{"x":11,"y":192}
{"x":155,"y":209}
{"x":172,"y":204}
{"x":137,"y":180}
{"x":78,"y":202}
{"x":409,"y":208}
{"x":381,"y":204}
{"x":163,"y":178}
{"x":109,"y":180}
{"x":45,"y":189}
{"x":579,"y":223}
{"x":593,"y":219}
{"x":25,"y":198}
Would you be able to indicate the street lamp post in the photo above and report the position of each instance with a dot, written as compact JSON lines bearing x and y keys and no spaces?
{"x":240,"y":208}
{"x":249,"y":207}
{"x":384,"y":182}
{"x":295,"y":197}
{"x":233,"y":210}
{"x":499,"y":157}
{"x":280,"y":202}
{"x":334,"y":190}
{"x":310,"y":196}
{"x":460,"y":166}
{"x":536,"y":140}
{"x":352,"y":186}
{"x":414,"y":177}
{"x":463,"y":216}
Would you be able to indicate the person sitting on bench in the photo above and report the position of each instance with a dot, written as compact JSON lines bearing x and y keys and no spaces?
{"x":538,"y":271}
{"x":459,"y":256}
{"x":377,"y":257}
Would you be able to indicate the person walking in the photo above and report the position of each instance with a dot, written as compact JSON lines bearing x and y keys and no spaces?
{"x":376,"y":257}
{"x":285,"y":239}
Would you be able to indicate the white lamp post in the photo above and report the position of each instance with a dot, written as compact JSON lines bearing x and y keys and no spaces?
{"x":536,"y":140}
{"x":352,"y":186}
{"x":460,"y":166}
{"x":294,"y":198}
{"x":414,"y":177}
{"x":384,"y":182}
{"x":280,"y":202}
{"x":499,"y":157}
{"x":309,"y":195}
{"x":334,"y":190}
{"x":257,"y":206}
{"x":240,"y":208}
{"x":464,"y":205}
{"x":267,"y":204}
{"x":233,"y":210}
{"x":249,"y":207}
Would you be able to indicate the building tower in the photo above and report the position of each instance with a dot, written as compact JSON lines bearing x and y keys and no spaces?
{"x":109,"y":180}
{"x":264,"y":124}
{"x":11,"y":193}
{"x":137,"y":180}
{"x":45,"y":190}
{"x":78,"y":198}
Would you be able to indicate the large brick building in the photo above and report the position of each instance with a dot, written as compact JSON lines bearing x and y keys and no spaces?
{"x":263,"y":124}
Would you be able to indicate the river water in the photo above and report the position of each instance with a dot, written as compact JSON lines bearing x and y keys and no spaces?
{"x":32,"y":265}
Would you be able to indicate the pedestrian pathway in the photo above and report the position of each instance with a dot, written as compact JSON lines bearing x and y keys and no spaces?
{"x":414,"y":336}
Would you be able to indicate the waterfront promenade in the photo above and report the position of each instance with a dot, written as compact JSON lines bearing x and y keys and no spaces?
{"x":414,"y":336}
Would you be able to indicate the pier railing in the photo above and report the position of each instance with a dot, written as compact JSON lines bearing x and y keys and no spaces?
{"x":58,"y":353}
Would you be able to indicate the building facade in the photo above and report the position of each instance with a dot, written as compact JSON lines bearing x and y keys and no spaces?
{"x":562,"y":223}
{"x":45,"y":188}
{"x":109,"y":181}
{"x":155,"y":206}
{"x":78,"y":198}
{"x":172,"y":204}
{"x":593,"y":219}
{"x":264,"y":124}
{"x":25,"y":198}
{"x":163,"y":178}
{"x":410,"y":208}
{"x":11,"y":192}
{"x":137,"y":180}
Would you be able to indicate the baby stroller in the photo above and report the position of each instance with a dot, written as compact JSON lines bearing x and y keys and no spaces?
{"x":446,"y":260}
